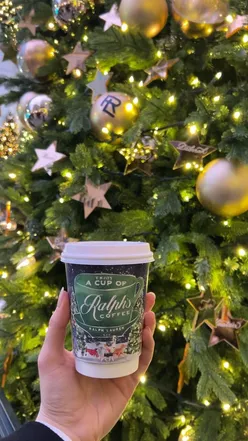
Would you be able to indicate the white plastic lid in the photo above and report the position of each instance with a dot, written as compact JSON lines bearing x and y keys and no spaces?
{"x":114,"y":370}
{"x":107,"y":253}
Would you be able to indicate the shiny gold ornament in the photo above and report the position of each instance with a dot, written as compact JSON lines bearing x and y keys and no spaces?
{"x":37,"y":112}
{"x":140,"y":156}
{"x":112,"y":113}
{"x":66,"y":11}
{"x":33,"y":55}
{"x":199,"y":18}
{"x":222,"y":188}
{"x":146,"y":16}
{"x":9,"y":138}
{"x":21,"y":108}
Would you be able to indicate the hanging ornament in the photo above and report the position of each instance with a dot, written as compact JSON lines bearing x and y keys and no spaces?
{"x":57,"y":243}
{"x":27,"y":23}
{"x":47,"y":158}
{"x":21,"y":108}
{"x":191,"y":151}
{"x":112,"y":113}
{"x":33,"y":55}
{"x":160,"y":71}
{"x":9,"y":138}
{"x":226,"y":329}
{"x":37,"y":112}
{"x":76,"y":59}
{"x":140,"y":156}
{"x":240,"y":22}
{"x":99,"y":85}
{"x":199,"y":18}
{"x":93,"y":197}
{"x":222,"y":188}
{"x":66,"y":11}
{"x":145,"y":16}
{"x":206,"y":308}
{"x":111,"y":18}
{"x":8,"y":224}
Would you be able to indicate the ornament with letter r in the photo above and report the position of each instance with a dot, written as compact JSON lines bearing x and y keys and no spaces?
{"x":112,"y":114}
{"x":37,"y":112}
{"x":66,"y":11}
{"x":198,"y":18}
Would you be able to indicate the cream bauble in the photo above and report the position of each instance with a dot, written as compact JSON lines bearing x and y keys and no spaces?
{"x":112,"y":113}
{"x":146,"y":16}
{"x":222,"y":188}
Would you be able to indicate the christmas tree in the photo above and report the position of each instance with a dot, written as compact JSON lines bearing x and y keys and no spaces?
{"x":145,"y":99}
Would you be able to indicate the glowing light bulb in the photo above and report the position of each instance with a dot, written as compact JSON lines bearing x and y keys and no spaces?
{"x":188,"y":166}
{"x":85,"y":38}
{"x":216,"y":99}
{"x":245,"y":38}
{"x":185,"y":438}
{"x":25,"y":262}
{"x":171,"y":99}
{"x":51,"y":25}
{"x":46,"y":294}
{"x":143,"y":379}
{"x":12,"y":175}
{"x":226,"y":364}
{"x":77,"y":73}
{"x":68,"y":175}
{"x":183,"y":419}
{"x":46,"y":329}
{"x":236,"y":115}
{"x":226,"y":407}
{"x":193,"y":129}
{"x":226,"y":223}
{"x":105,"y":130}
{"x":159,"y":54}
{"x":188,"y":286}
{"x":131,"y":79}
{"x":206,"y":403}
{"x":136,"y":100}
{"x":241,"y":252}
{"x":162,"y":328}
{"x":141,"y":84}
{"x":30,"y":249}
{"x":218,"y":75}
{"x":61,"y":200}
{"x":229,"y":18}
{"x":26,"y":199}
{"x":129,"y":107}
{"x":124,"y":27}
{"x":4,"y":275}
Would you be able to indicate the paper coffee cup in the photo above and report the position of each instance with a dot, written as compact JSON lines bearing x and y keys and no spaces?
{"x":107,"y":283}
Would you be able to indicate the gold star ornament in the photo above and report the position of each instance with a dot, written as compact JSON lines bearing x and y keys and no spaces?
{"x":206,"y":308}
{"x":160,"y":71}
{"x":93,"y":197}
{"x":140,"y":156}
{"x":28,"y":23}
{"x":226,"y":329}
{"x":191,"y":151}
{"x":77,"y":59}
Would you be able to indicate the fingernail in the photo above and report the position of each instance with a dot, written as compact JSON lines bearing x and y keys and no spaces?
{"x":60,"y":299}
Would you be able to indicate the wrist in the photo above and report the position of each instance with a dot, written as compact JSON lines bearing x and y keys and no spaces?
{"x":42,"y":417}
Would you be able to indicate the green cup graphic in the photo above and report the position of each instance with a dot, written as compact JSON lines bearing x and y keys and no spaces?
{"x":106,"y":302}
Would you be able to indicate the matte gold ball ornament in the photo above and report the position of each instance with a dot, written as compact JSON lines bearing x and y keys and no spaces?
{"x":146,"y":16}
{"x":112,"y":114}
{"x":199,"y":18}
{"x":222,"y":188}
{"x":33,"y":55}
{"x":21,"y":108}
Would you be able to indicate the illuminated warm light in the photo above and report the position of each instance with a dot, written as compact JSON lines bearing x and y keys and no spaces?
{"x":193,"y":129}
{"x":226,"y":407}
{"x":124,"y":27}
{"x":186,"y":199}
{"x":185,"y":438}
{"x":188,"y":166}
{"x":136,"y":100}
{"x":245,"y":38}
{"x":216,"y":99}
{"x":26,"y":199}
{"x":12,"y":175}
{"x":218,"y":75}
{"x":85,"y":38}
{"x":105,"y":130}
{"x":14,"y":311}
{"x":25,"y":262}
{"x":159,"y":54}
{"x":46,"y":294}
{"x":56,"y":41}
{"x":68,"y":175}
{"x":236,"y":115}
{"x":226,"y":364}
{"x":206,"y":403}
{"x":194,"y":81}
{"x":229,"y":18}
{"x":226,"y":223}
{"x":77,"y":73}
{"x":183,"y":419}
{"x":129,"y":107}
{"x":4,"y":275}
{"x":171,"y":99}
{"x":61,"y":200}
{"x":188,"y":286}
{"x":131,"y":79}
{"x":51,"y":25}
{"x":141,"y":84}
{"x":241,"y":252}
{"x":46,"y":329}
{"x":30,"y":249}
{"x":155,"y":196}
{"x":162,"y":328}
{"x":143,"y":379}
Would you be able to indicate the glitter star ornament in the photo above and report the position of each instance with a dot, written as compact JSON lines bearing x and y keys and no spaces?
{"x":111,"y":18}
{"x":160,"y":71}
{"x":206,"y":308}
{"x":226,"y":329}
{"x":191,"y":151}
{"x":77,"y":59}
{"x":140,"y":155}
{"x":93,"y":197}
{"x":99,"y":85}
{"x":46,"y":158}
{"x":27,"y":23}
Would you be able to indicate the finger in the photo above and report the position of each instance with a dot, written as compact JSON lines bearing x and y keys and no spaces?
{"x":150,"y":321}
{"x":150,"y":301}
{"x":147,"y":352}
{"x":55,"y":338}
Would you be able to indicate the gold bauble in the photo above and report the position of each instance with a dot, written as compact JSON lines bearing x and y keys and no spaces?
{"x":146,"y":16}
{"x":33,"y":55}
{"x":199,"y":18}
{"x":222,"y":188}
{"x":21,"y":108}
{"x":112,"y":113}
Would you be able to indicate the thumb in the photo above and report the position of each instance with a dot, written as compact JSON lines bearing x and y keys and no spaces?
{"x":54,"y":343}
